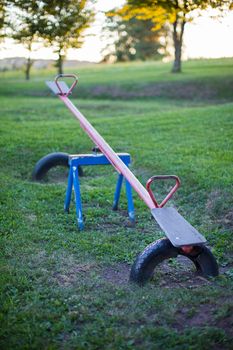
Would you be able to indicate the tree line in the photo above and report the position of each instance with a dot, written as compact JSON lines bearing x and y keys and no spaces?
{"x":173,"y":13}
{"x":133,"y":32}
{"x":53,"y":23}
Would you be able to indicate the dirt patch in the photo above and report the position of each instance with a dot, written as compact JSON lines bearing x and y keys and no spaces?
{"x":226,"y":324}
{"x":169,"y":90}
{"x":110,"y":223}
{"x":67,"y":269}
{"x":56,"y":175}
{"x":178,"y":273}
{"x":228,"y":219}
{"x":219,"y":206}
{"x":69,"y":277}
{"x":111,"y":228}
{"x":214,"y":196}
{"x":227,"y":269}
{"x":117,"y":274}
{"x":203,"y":316}
{"x":190,"y":90}
{"x":185,"y":317}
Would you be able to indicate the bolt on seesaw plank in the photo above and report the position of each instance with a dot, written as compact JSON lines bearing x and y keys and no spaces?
{"x":179,"y":231}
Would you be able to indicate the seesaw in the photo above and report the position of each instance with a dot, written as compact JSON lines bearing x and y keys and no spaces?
{"x":181,"y":237}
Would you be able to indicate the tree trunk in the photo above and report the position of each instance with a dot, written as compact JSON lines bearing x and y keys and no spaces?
{"x":60,"y":63}
{"x":177,"y":61}
{"x":29,"y":62}
{"x":28,"y":68}
{"x":178,"y":41}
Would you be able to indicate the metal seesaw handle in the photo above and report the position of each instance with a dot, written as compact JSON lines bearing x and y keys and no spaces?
{"x":66,"y":76}
{"x":170,"y":194}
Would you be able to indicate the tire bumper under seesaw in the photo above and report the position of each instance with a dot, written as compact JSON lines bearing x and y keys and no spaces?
{"x":182,"y":239}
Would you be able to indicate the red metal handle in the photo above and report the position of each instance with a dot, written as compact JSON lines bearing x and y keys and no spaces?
{"x":66,"y":76}
{"x":170,"y":194}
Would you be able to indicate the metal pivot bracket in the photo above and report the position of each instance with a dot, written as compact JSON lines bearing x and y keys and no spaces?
{"x":60,"y":87}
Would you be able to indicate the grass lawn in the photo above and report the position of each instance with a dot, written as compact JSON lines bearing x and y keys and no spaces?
{"x":65,"y":289}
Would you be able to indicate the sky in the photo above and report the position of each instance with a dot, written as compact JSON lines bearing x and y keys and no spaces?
{"x":204,"y":37}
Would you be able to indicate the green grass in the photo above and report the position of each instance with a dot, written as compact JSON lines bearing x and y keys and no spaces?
{"x":65,"y":289}
{"x":201,"y":81}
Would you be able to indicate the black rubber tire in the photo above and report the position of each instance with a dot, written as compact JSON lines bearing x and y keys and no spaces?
{"x":158,"y":251}
{"x":50,"y":161}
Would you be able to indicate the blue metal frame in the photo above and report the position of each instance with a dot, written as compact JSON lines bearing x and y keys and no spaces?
{"x":73,"y":181}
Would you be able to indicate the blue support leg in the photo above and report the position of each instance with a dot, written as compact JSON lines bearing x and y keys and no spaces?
{"x":69,"y":191}
{"x":130,"y":201}
{"x":117,"y":192}
{"x":73,"y":180}
{"x":78,"y":202}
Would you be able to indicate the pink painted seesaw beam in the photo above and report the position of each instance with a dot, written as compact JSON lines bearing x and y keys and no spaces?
{"x":109,"y":153}
{"x":63,"y":91}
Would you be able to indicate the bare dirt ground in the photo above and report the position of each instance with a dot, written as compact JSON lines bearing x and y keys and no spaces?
{"x":194,"y":90}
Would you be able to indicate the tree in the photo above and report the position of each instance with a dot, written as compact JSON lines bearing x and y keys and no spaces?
{"x":2,"y":18}
{"x":26,"y":36}
{"x":176,"y":12}
{"x":24,"y":26}
{"x":59,"y":23}
{"x":24,"y":20}
{"x":64,"y":23}
{"x":133,"y":39}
